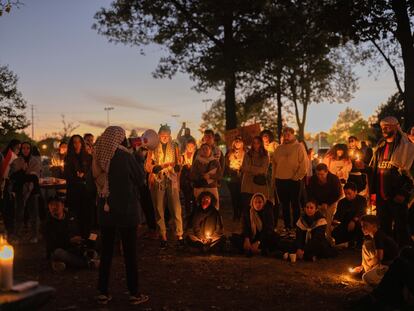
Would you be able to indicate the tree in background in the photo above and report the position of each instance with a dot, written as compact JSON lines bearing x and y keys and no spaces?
{"x":209,"y":40}
{"x":394,"y":106}
{"x":349,"y":123}
{"x":12,"y":103}
{"x":67,"y":130}
{"x":263,"y":112}
{"x":388,"y":26}
{"x":5,"y":139}
{"x":6,"y":5}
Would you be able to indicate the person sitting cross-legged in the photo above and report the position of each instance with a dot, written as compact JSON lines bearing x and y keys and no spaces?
{"x":258,"y":235}
{"x":347,"y":227}
{"x":311,"y":242}
{"x":378,"y":251}
{"x":64,"y":247}
{"x":207,"y":227}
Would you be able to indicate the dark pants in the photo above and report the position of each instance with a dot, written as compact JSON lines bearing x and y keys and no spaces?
{"x":70,"y":259}
{"x":189,"y":199}
{"x":289,"y":192}
{"x":400,"y":275}
{"x":148,"y":207}
{"x":216,"y":245}
{"x":319,"y":248}
{"x":7,"y":210}
{"x":235,"y":193}
{"x":268,"y":244}
{"x":393,"y":218}
{"x":82,"y":206}
{"x":245,"y":202}
{"x":342,"y":235}
{"x":129,"y":246}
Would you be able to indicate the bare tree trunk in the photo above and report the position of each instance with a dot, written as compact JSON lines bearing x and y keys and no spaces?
{"x":406,"y":40}
{"x":279,"y":108}
{"x":230,"y":79}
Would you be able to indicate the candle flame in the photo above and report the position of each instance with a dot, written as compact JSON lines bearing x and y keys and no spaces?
{"x":6,"y":252}
{"x":351,"y":270}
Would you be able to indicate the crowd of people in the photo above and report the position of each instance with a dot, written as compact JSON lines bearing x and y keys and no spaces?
{"x":290,"y":203}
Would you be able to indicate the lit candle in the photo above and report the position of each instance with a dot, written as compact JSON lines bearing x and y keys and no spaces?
{"x":351,"y":270}
{"x":208,"y":235}
{"x":6,"y":265}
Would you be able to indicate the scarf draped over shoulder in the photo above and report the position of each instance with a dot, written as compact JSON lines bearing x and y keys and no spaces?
{"x":104,"y":151}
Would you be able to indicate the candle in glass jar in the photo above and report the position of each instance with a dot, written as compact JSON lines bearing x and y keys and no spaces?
{"x":6,"y":266}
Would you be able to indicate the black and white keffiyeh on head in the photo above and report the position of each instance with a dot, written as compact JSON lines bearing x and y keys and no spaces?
{"x":105,"y":148}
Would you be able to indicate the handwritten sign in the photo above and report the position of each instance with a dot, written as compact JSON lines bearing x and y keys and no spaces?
{"x":246,"y":132}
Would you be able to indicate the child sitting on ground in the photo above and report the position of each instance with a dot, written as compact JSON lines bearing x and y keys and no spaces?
{"x":207,"y":227}
{"x":311,"y":242}
{"x":378,"y":251}
{"x":63,"y":247}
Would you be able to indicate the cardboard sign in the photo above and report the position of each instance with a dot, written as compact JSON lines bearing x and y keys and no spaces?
{"x":246,"y":132}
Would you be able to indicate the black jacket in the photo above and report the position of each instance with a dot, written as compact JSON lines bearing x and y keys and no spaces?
{"x":125,"y":179}
{"x":207,"y":221}
{"x":266,"y":216}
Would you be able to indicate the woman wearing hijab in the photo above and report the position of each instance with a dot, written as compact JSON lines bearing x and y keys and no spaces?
{"x":258,"y":236}
{"x":118,"y":178}
{"x":24,"y":174}
{"x":76,"y":169}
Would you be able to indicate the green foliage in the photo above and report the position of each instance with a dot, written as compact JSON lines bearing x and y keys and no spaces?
{"x":5,"y":139}
{"x":394,"y":106}
{"x":12,"y":104}
{"x":349,"y":123}
{"x":262,"y":112}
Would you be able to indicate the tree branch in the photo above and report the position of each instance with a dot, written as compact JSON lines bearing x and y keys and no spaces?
{"x":394,"y":70}
{"x":196,"y":24}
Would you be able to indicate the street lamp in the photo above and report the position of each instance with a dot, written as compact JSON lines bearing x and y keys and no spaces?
{"x":107,"y":109}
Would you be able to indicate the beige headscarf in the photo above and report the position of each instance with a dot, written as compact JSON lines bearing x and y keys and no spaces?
{"x":255,"y":221}
{"x":105,"y":148}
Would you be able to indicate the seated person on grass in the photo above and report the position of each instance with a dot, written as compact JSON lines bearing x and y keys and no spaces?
{"x":378,"y":251}
{"x":311,"y":242}
{"x":63,"y":246}
{"x":207,"y":227}
{"x":258,"y":235}
{"x":347,"y":226}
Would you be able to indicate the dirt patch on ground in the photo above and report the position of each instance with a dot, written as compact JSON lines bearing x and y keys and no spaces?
{"x":177,"y":280}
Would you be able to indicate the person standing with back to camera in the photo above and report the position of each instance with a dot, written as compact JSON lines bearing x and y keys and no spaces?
{"x":117,"y":177}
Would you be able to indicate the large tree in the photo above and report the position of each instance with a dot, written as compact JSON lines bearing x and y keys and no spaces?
{"x":306,"y":61}
{"x":12,"y":103}
{"x":349,"y":123}
{"x":388,"y":26}
{"x":263,"y":112}
{"x":210,"y":40}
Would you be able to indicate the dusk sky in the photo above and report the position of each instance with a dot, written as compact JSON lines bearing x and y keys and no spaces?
{"x":65,"y":67}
